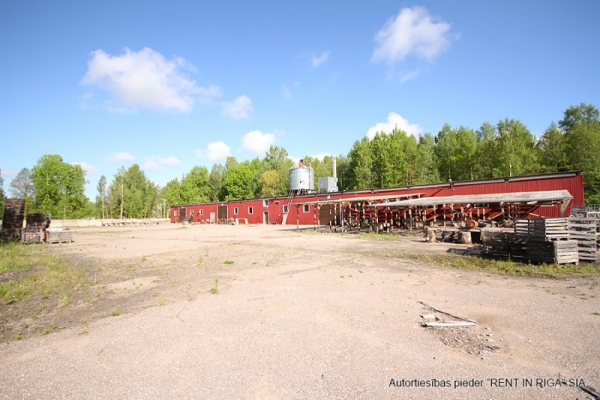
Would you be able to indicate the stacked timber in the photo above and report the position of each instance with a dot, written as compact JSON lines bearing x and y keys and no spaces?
{"x":12,"y":221}
{"x":583,"y":231}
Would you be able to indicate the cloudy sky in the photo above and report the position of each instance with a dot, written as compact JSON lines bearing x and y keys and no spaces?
{"x":184,"y":83}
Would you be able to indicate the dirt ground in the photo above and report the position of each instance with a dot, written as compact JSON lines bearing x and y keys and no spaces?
{"x":266,"y":312}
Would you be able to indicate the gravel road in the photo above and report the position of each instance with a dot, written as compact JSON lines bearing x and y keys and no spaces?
{"x":312,"y":316}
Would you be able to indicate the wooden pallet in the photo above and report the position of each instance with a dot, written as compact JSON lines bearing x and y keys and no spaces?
{"x":62,"y":236}
{"x":584,"y":231}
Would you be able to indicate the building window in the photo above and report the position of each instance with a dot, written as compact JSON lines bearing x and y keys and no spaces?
{"x":201,"y":212}
{"x":235,"y":210}
{"x":175,"y":213}
{"x":192,"y":213}
{"x":286,"y":208}
{"x":306,"y":208}
{"x":266,"y":203}
{"x":250,"y":210}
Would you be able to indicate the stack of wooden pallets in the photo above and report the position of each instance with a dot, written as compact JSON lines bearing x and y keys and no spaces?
{"x":12,"y":221}
{"x":547,"y":240}
{"x":35,"y":227}
{"x":583,"y":231}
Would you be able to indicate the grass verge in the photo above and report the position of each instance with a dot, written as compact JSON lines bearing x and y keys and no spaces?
{"x":500,"y":267}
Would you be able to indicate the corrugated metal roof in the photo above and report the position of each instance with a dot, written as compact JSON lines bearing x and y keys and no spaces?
{"x":522,"y":197}
{"x":358,"y":199}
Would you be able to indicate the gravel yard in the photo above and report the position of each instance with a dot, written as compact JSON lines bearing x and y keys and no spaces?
{"x":265,"y":312}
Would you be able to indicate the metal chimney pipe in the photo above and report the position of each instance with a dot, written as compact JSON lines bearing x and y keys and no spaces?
{"x":335,"y":170}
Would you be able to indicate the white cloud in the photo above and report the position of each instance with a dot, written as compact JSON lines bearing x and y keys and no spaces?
{"x":121,"y":156}
{"x":155,"y":163}
{"x":412,"y":32}
{"x":256,"y":142}
{"x":214,"y":151}
{"x":240,"y":108}
{"x":145,"y":79}
{"x":88,"y":168}
{"x":318,"y":60}
{"x":286,"y":92}
{"x":394,"y":120}
{"x":6,"y":172}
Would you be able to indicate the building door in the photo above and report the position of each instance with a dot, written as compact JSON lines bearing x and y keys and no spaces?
{"x":212,"y":217}
{"x":266,"y":218}
{"x":222,"y":213}
{"x":182,"y":214}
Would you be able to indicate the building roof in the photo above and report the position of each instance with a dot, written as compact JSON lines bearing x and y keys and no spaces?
{"x":548,"y":196}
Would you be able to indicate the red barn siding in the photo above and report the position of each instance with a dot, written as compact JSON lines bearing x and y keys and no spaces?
{"x":573,"y":182}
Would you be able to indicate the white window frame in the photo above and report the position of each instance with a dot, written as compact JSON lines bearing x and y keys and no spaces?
{"x":235,"y":211}
{"x":201,"y":212}
{"x":306,"y":208}
{"x":286,"y":208}
{"x":266,"y":203}
{"x":250,"y":210}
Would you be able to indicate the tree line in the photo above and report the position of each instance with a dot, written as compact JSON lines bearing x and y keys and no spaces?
{"x":388,"y":159}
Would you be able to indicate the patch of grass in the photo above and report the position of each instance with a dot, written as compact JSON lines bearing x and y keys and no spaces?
{"x":115,"y":312}
{"x":215,"y":288}
{"x":228,"y":262}
{"x":64,"y":300}
{"x":378,"y":236}
{"x":500,"y":267}
{"x":38,"y":271}
{"x":14,"y":256}
{"x":162,"y":302}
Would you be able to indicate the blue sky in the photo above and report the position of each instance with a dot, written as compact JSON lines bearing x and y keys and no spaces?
{"x":184,"y":83}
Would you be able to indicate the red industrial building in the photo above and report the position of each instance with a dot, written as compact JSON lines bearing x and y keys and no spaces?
{"x":330,"y":208}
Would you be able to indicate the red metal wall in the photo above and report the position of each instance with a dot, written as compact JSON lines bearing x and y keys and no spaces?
{"x":571,"y":181}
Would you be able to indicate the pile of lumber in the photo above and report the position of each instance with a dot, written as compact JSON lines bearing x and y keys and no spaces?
{"x":12,"y":221}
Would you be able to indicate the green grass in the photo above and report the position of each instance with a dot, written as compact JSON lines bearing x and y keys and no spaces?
{"x":215,"y":288}
{"x":500,"y":267}
{"x":36,"y":271}
{"x":228,"y":262}
{"x":14,"y":256}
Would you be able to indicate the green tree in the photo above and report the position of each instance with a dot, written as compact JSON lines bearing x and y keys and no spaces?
{"x":516,"y":149}
{"x":486,"y":154}
{"x":426,"y":168}
{"x":552,"y":149}
{"x":194,"y":186}
{"x":132,"y":194}
{"x":238,"y":183}
{"x":59,"y":187}
{"x":101,"y":197}
{"x":172,"y":193}
{"x":277,"y":159}
{"x":2,"y":195}
{"x":214,"y":181}
{"x":446,"y":152}
{"x":359,"y":166}
{"x":269,"y":184}
{"x":582,"y":135}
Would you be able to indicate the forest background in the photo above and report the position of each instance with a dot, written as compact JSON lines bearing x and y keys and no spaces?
{"x":389,"y":159}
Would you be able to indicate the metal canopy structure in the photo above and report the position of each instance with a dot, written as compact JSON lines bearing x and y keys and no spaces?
{"x":551,"y":196}
{"x":361,"y":199}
